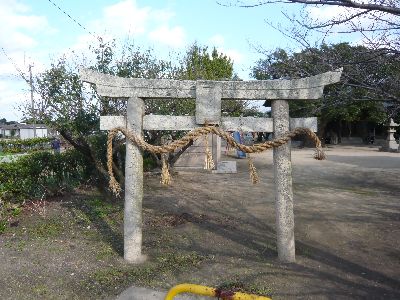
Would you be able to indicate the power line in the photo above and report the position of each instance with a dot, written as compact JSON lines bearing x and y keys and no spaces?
{"x":75,"y":21}
{"x":20,"y":73}
{"x":9,"y":76}
{"x":29,"y":82}
{"x":15,"y":66}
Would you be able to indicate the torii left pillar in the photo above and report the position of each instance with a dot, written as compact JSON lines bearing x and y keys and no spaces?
{"x":283,"y":184}
{"x":133,"y":185}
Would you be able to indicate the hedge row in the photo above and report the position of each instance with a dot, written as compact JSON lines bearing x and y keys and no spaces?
{"x":41,"y":174}
{"x":18,"y":145}
{"x":25,"y":142}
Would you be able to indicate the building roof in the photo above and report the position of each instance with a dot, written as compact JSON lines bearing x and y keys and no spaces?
{"x":22,"y":126}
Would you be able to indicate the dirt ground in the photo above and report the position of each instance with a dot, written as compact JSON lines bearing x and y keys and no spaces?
{"x":219,"y":230}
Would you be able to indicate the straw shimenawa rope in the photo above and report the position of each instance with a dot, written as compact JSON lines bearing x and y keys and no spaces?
{"x":252,"y":170}
{"x":165,"y":176}
{"x":208,"y":161}
{"x":195,"y":134}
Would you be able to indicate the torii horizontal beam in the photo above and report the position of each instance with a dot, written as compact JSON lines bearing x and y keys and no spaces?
{"x":301,"y":89}
{"x":245,"y":124}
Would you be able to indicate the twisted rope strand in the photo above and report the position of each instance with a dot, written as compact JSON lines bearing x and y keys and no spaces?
{"x":194,"y":135}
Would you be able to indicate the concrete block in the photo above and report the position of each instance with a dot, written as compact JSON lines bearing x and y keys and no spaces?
{"x":226,"y":167}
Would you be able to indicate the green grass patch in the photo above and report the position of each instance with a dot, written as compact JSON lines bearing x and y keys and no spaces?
{"x":47,"y":229}
{"x":105,"y":252}
{"x":101,"y":213}
{"x":236,"y":285}
{"x":16,"y":211}
{"x":40,"y":290}
{"x":3,"y":225}
{"x":16,"y":245}
{"x":360,"y":191}
{"x":148,"y":274}
{"x":100,"y":208}
{"x":8,"y":214}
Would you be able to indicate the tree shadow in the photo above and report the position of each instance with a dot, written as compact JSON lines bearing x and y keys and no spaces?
{"x":97,"y":218}
{"x":367,"y":161}
{"x":337,"y":270}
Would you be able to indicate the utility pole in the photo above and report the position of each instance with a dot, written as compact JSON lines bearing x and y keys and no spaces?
{"x":32,"y":102}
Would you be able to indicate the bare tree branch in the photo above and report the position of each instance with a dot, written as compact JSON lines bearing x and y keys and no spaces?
{"x":386,"y":6}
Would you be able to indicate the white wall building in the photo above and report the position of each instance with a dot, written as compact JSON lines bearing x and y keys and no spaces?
{"x":25,"y":131}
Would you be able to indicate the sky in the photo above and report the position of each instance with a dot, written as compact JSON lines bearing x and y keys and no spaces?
{"x":35,"y":32}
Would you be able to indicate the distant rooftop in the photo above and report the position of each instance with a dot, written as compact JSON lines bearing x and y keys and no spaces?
{"x":21,"y":126}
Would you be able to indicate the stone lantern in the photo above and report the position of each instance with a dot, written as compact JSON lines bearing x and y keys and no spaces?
{"x":391,"y":144}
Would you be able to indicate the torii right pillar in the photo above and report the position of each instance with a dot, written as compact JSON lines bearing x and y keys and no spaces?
{"x":282,"y":161}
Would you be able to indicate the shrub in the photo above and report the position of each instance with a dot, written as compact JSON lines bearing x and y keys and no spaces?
{"x":19,"y":146}
{"x":41,"y":174}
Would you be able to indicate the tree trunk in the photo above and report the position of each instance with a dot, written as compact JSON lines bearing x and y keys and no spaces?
{"x":349,"y":128}
{"x":321,"y":129}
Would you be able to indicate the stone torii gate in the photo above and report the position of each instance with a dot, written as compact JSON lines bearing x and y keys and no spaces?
{"x":208,"y":95}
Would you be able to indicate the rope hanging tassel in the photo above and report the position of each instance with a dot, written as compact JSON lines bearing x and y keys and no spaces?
{"x":252,"y":170}
{"x":195,"y":134}
{"x":208,"y":161}
{"x":113,"y":184}
{"x":165,"y":175}
{"x":319,"y":152}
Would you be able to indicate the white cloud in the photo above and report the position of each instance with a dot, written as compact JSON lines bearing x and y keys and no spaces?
{"x":18,"y":27}
{"x":235,"y":55}
{"x":325,"y":13}
{"x":127,"y":18}
{"x":217,"y":40}
{"x":20,"y":30}
{"x":6,"y":67}
{"x":162,"y":16}
{"x":11,"y":96}
{"x":31,"y":23}
{"x":122,"y":18}
{"x":329,"y":13}
{"x":174,"y":37}
{"x":20,"y":41}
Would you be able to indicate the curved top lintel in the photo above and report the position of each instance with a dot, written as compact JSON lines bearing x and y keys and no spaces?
{"x":303,"y":88}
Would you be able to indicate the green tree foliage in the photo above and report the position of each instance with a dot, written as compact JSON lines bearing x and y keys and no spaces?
{"x":4,"y":121}
{"x":66,"y":107}
{"x":199,"y":64}
{"x":367,"y":75}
